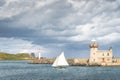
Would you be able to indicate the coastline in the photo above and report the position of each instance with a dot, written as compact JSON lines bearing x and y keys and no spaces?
{"x":74,"y":62}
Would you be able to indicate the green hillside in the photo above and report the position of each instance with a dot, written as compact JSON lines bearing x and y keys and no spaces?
{"x":19,"y":56}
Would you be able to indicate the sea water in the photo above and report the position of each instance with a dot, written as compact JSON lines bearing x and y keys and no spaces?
{"x":21,"y":70}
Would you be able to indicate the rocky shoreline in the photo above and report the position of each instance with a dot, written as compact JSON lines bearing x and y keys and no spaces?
{"x":74,"y":62}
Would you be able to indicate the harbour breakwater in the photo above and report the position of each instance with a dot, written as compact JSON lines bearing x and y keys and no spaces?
{"x":75,"y":62}
{"x":72,"y":62}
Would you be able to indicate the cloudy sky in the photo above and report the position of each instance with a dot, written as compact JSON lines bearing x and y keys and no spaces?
{"x":59,"y":25}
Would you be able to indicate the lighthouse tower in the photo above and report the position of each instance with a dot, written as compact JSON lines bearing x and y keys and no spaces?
{"x":39,"y":54}
{"x":93,"y":52}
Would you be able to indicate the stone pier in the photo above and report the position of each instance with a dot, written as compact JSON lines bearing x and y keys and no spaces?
{"x":75,"y":62}
{"x":72,"y":62}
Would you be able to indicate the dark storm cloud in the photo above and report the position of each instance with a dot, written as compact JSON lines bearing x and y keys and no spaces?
{"x":15,"y":32}
{"x":49,"y":16}
{"x":2,"y":2}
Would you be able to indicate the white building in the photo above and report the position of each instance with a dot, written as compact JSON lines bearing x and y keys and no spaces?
{"x":99,"y":57}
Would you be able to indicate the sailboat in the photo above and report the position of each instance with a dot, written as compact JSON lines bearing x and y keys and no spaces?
{"x":60,"y":61}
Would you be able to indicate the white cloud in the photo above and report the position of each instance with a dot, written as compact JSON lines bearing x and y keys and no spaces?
{"x":110,"y":38}
{"x":15,"y":7}
{"x":12,"y":45}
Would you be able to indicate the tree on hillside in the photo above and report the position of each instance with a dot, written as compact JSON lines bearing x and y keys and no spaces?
{"x":32,"y":55}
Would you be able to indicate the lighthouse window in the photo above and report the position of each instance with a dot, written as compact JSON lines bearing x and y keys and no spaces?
{"x":107,"y":54}
{"x":103,"y":54}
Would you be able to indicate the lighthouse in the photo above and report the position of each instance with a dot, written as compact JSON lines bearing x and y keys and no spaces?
{"x":39,"y":54}
{"x":93,"y":52}
{"x":99,"y":57}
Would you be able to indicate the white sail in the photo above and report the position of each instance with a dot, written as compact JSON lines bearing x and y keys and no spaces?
{"x":60,"y":61}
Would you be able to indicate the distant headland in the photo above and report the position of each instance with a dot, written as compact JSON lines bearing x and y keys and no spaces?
{"x":18,"y":56}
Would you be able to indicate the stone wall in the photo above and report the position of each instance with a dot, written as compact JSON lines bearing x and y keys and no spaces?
{"x":75,"y":62}
{"x":72,"y":62}
{"x":116,"y":62}
{"x":42,"y":61}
